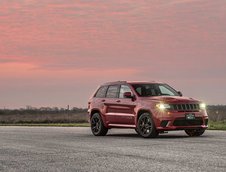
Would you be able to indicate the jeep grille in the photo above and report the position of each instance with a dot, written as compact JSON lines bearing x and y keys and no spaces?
{"x":186,"y":107}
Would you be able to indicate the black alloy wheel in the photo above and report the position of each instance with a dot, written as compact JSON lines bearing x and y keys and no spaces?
{"x":97,"y":125}
{"x":194,"y":132}
{"x":146,"y":127}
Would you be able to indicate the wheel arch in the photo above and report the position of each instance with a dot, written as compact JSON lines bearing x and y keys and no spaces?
{"x":93,"y":111}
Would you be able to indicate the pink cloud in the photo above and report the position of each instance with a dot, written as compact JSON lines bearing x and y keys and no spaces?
{"x":93,"y":41}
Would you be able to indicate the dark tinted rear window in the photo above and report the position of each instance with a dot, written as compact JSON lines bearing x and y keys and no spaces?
{"x":101,"y":92}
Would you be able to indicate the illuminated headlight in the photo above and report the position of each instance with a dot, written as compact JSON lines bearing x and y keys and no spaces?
{"x":202,"y":106}
{"x":163,"y":106}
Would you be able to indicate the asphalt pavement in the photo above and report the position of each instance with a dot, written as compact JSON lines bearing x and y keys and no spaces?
{"x":76,"y":149}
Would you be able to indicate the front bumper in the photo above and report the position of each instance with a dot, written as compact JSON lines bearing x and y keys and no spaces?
{"x":177,"y":121}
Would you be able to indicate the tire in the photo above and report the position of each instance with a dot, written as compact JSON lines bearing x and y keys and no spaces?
{"x":194,"y":132}
{"x":136,"y":130}
{"x":146,"y":126}
{"x":97,"y":125}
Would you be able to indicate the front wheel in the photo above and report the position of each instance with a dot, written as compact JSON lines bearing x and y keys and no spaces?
{"x":194,"y":132}
{"x":146,"y":126}
{"x":97,"y":125}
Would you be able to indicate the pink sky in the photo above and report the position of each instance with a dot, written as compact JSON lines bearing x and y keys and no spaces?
{"x":56,"y":52}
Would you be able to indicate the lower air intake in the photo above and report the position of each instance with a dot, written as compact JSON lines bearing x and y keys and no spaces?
{"x":184,"y":122}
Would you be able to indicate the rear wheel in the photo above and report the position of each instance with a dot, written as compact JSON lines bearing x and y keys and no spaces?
{"x":97,"y":125}
{"x":146,"y":126}
{"x":136,"y":130}
{"x":194,"y":132}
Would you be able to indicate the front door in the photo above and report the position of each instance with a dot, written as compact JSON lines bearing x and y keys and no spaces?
{"x":119,"y":110}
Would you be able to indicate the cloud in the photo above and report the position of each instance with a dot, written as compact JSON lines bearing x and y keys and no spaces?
{"x":7,"y":60}
{"x":49,"y":41}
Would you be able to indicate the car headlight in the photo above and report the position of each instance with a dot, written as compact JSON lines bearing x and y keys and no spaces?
{"x":202,"y":106}
{"x":163,"y":106}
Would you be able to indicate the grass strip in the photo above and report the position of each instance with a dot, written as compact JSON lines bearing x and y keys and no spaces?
{"x":217,"y":125}
{"x":48,"y":124}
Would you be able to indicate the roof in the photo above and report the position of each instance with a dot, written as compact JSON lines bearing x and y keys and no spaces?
{"x":131,"y":82}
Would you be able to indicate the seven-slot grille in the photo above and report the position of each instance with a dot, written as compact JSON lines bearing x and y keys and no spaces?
{"x":185,"y":107}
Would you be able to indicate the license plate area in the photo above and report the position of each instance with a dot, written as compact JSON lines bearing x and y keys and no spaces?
{"x":190,"y":116}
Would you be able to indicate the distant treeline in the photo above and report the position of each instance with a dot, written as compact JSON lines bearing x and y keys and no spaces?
{"x":42,"y":110}
{"x":217,"y":112}
{"x":74,"y":115}
{"x":44,"y":115}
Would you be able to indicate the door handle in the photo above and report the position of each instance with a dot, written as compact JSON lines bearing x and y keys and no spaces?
{"x":103,"y":100}
{"x":118,"y":101}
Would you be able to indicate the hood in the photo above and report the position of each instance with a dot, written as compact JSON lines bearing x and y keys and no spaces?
{"x":171,"y":99}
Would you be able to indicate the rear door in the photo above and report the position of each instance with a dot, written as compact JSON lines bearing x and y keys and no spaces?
{"x":111,"y":104}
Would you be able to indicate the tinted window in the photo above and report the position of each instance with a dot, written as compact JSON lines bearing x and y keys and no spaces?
{"x":101,"y":92}
{"x":112,"y":91}
{"x":146,"y":90}
{"x":123,"y":89}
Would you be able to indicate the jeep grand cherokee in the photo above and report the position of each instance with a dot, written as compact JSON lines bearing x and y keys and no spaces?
{"x":148,"y":107}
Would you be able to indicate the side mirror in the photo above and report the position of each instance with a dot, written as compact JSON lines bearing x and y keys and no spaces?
{"x":180,"y":94}
{"x":128,"y":95}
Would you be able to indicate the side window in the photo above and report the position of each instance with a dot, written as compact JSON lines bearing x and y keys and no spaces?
{"x":112,"y":91}
{"x":123,"y":89}
{"x":101,"y":92}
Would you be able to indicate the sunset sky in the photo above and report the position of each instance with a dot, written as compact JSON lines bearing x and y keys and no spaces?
{"x":56,"y":52}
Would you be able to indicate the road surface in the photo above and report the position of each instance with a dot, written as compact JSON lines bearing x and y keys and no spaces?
{"x":76,"y":149}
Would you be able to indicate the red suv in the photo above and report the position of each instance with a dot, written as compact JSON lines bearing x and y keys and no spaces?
{"x":148,"y":107}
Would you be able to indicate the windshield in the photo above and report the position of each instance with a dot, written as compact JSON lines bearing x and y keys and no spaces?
{"x":147,"y":90}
